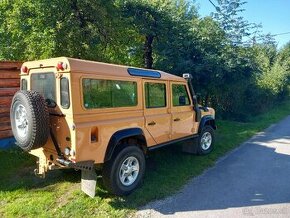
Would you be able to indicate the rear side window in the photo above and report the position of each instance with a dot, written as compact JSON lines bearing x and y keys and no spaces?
{"x":179,"y":95}
{"x":44,"y":83}
{"x":64,"y":93}
{"x":155,"y":95}
{"x":109,"y":93}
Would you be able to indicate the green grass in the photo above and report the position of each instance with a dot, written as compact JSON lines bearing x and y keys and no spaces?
{"x":24,"y":195}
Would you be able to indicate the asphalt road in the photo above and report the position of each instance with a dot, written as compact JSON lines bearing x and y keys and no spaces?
{"x":251,"y":181}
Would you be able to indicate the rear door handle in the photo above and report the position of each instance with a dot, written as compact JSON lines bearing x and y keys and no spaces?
{"x":151,"y":123}
{"x":176,"y":119}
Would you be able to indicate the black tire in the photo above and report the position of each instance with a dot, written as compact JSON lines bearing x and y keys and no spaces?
{"x":201,"y":150}
{"x":111,"y":170}
{"x":35,"y":122}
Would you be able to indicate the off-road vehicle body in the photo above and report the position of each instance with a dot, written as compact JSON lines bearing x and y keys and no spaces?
{"x":74,"y":113}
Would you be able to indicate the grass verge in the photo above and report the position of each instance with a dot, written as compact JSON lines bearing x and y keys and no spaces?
{"x":24,"y":195}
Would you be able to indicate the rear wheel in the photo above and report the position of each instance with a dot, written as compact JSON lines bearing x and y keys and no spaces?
{"x":125,"y":171}
{"x":29,"y":120}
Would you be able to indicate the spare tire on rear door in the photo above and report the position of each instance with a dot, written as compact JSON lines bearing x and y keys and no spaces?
{"x":29,"y":119}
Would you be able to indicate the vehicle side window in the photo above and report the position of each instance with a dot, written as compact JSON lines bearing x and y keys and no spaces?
{"x":179,"y":95}
{"x":64,"y":93}
{"x":23,"y":84}
{"x":99,"y":93}
{"x":155,"y":95}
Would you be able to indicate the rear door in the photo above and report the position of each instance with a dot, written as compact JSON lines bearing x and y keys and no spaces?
{"x":182,"y":113}
{"x":156,"y":112}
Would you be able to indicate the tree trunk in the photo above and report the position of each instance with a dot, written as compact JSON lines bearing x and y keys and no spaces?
{"x":148,"y":59}
{"x":207,"y":99}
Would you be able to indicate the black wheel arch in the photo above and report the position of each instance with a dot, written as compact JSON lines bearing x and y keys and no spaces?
{"x":122,"y":135}
{"x":207,"y":120}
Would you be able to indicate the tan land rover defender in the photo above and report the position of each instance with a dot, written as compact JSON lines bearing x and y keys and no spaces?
{"x":78,"y":114}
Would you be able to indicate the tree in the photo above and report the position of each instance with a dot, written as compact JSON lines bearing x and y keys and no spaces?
{"x":275,"y":74}
{"x":240,"y":31}
{"x":42,"y":29}
{"x":236,"y":68}
{"x":150,"y":20}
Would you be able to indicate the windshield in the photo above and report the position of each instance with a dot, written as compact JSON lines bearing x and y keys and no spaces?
{"x":44,"y":83}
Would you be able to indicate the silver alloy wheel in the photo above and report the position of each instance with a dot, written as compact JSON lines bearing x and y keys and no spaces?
{"x":21,"y":121}
{"x":129,"y":171}
{"x":206,"y":140}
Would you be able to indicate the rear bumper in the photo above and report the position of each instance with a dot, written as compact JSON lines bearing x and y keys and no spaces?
{"x":82,"y":165}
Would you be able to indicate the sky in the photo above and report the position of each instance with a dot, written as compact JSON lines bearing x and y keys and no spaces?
{"x":274,"y":15}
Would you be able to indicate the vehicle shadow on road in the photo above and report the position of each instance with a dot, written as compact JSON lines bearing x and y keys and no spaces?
{"x":256,"y":173}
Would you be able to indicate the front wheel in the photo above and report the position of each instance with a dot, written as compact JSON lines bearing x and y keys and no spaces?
{"x":206,"y":141}
{"x":125,"y":171}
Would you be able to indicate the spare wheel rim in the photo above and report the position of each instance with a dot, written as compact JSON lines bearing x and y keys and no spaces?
{"x":21,"y":120}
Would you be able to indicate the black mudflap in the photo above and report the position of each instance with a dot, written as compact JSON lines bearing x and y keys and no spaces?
{"x":89,"y":182}
{"x":190,"y":146}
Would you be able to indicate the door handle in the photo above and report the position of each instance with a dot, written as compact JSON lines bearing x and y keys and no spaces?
{"x":176,"y":119}
{"x":151,"y":123}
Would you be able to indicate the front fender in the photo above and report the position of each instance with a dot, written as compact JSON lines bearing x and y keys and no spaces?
{"x":207,"y":120}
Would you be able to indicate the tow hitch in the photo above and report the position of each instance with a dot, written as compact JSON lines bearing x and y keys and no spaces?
{"x":82,"y":165}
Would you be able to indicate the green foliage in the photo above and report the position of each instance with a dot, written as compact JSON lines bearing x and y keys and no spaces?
{"x":228,"y":15}
{"x":42,"y":29}
{"x":23,"y":31}
{"x":238,"y":30}
{"x":236,"y":69}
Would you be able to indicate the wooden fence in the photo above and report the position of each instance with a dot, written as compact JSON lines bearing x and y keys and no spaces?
{"x":9,"y":84}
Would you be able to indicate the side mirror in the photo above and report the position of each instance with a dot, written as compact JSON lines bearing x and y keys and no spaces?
{"x":182,"y":100}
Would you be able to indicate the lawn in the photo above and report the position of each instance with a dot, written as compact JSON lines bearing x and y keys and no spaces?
{"x":58,"y":195}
